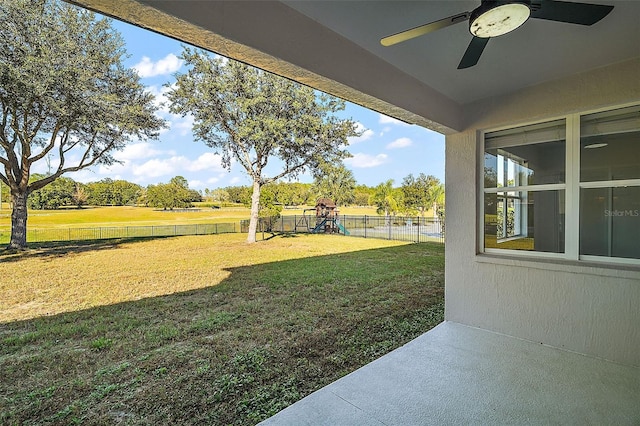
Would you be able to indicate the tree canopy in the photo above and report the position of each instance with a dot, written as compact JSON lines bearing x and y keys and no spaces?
{"x":417,"y":192}
{"x":175,"y":194}
{"x":251,"y":116}
{"x":336,"y":182}
{"x":65,"y":97}
{"x":386,"y":198}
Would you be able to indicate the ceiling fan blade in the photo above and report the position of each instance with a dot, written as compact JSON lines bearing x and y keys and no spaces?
{"x":424,"y":29}
{"x":473,"y":53}
{"x":573,"y":13}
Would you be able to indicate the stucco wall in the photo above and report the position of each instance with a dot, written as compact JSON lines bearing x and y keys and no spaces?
{"x":590,"y":309}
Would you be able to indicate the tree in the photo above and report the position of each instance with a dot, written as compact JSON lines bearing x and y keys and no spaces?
{"x":217,"y":195}
{"x":337,"y":182}
{"x":80,"y":195}
{"x":175,"y":194}
{"x":53,"y":196}
{"x":108,"y":192}
{"x":124,"y":193}
{"x":65,"y":97}
{"x":254,"y":116}
{"x":385,"y":198}
{"x":436,"y":195}
{"x":5,"y":195}
{"x":362,"y":195}
{"x":269,"y":207}
{"x":239,"y":194}
{"x":417,"y":192}
{"x":101,"y":192}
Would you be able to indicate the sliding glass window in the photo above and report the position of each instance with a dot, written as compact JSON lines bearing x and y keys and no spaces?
{"x":610,"y":184}
{"x":569,"y":187}
{"x":524,"y":188}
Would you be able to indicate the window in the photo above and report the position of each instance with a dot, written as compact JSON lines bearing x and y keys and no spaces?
{"x":610,"y":184}
{"x":524,"y":184}
{"x":567,"y":188}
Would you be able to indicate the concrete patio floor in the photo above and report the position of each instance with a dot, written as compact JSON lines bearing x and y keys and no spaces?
{"x":459,"y":375}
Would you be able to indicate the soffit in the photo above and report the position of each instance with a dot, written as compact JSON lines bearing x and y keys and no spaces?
{"x":334,"y":46}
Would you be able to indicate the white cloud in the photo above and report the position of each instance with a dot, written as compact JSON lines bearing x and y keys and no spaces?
{"x":384,"y":119}
{"x":365,"y":134}
{"x":165,"y":66}
{"x":195,"y":184}
{"x":363,"y":161}
{"x":158,"y":167}
{"x":400,"y":143}
{"x":174,"y":165}
{"x":137,"y":151}
{"x":182,"y":125}
{"x":208,"y":160}
{"x":235,"y":180}
{"x":158,"y":164}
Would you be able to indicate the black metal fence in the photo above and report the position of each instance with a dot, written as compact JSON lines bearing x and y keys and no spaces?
{"x":76,"y":234}
{"x":417,"y":229}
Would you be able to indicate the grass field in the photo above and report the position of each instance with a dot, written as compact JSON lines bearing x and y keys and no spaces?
{"x":127,"y":221}
{"x":123,"y":216}
{"x":140,"y":216}
{"x":201,"y":330}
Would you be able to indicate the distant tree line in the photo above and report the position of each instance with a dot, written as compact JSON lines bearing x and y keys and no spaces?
{"x":415,"y":196}
{"x":65,"y":192}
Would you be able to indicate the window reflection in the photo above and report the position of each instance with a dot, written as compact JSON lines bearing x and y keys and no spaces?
{"x":525,"y":165}
{"x":525,"y":220}
{"x":610,"y":222}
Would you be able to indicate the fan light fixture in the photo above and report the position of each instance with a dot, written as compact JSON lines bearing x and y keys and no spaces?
{"x":493,"y":19}
{"x":497,"y":17}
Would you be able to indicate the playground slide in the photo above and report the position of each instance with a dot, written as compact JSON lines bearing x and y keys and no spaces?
{"x":342,"y":229}
{"x":319,"y":228}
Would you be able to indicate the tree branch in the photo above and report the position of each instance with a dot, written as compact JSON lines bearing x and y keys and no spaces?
{"x":48,"y":147}
{"x":289,"y":170}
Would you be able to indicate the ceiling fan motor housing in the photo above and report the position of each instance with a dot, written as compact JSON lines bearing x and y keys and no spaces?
{"x":495,"y":17}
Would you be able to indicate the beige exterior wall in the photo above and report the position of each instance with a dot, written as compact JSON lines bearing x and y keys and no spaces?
{"x":589,"y":309}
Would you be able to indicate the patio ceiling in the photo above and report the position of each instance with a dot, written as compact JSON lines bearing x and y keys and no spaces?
{"x":335,"y":46}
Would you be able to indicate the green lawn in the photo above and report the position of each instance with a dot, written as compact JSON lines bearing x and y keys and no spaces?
{"x":124,"y":216}
{"x":202,"y":329}
{"x":142,"y":216}
{"x":128,"y":221}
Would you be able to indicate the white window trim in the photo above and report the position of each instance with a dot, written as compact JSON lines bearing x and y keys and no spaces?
{"x":571,"y":186}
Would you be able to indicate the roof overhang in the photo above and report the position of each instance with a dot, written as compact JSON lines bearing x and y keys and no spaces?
{"x":334,"y":47}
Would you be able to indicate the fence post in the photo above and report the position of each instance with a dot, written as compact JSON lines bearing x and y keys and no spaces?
{"x":365,"y":226}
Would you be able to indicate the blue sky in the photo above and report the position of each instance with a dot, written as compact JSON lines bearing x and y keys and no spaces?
{"x":387,"y":149}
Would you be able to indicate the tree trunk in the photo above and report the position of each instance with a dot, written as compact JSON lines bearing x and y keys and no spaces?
{"x":19,"y":222}
{"x":255,"y":210}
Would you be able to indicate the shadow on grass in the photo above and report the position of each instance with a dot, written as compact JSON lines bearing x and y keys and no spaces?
{"x":271,"y":235}
{"x":234,"y":353}
{"x":63,"y":248}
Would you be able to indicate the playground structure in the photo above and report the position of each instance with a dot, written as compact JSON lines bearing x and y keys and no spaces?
{"x":327,"y":218}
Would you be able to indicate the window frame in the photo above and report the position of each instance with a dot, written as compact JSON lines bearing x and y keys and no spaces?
{"x":572,"y":187}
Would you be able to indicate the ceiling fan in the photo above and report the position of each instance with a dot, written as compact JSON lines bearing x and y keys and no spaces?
{"x":497,"y":17}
